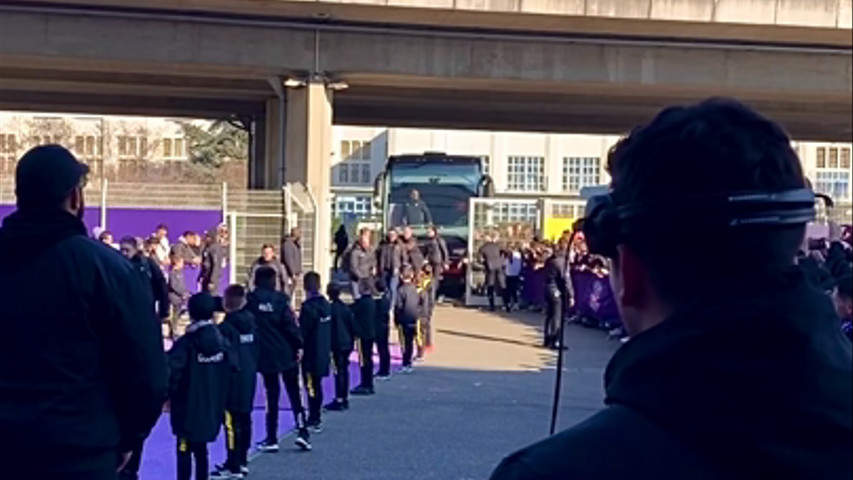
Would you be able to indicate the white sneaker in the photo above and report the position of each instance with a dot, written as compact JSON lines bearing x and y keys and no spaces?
{"x":268,"y":447}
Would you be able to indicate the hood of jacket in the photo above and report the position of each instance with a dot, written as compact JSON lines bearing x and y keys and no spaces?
{"x":206,"y":338}
{"x":242,"y":320}
{"x":759,"y":386}
{"x":26,"y":234}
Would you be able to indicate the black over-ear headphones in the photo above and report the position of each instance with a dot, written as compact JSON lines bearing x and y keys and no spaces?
{"x":608,"y":223}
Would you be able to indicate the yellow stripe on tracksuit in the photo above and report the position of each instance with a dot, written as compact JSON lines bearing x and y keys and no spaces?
{"x":229,"y":431}
{"x":360,"y":353}
{"x":309,"y":385}
{"x":183,"y":447}
{"x":401,"y":336}
{"x":420,"y":334}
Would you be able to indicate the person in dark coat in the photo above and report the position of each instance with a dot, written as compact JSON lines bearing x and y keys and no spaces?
{"x":414,"y":256}
{"x":315,"y":323}
{"x":241,"y":332}
{"x":268,"y":259}
{"x":362,"y":263}
{"x":83,"y":376}
{"x":416,"y":211}
{"x":438,"y":258}
{"x":842,"y":296}
{"x":178,"y":293}
{"x":389,"y":261}
{"x":214,"y":259}
{"x":492,"y":260}
{"x":364,"y":331}
{"x":342,"y":344}
{"x":280,"y":344}
{"x":406,"y":311}
{"x":291,"y":257}
{"x":735,"y":368}
{"x":382,"y":328}
{"x":557,"y":295}
{"x":150,"y":270}
{"x":341,"y":245}
{"x":200,"y":366}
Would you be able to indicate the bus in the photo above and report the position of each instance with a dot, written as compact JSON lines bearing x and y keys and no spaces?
{"x":444,"y":184}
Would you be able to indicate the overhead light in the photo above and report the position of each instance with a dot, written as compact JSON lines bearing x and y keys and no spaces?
{"x":294,"y":83}
{"x":337,"y":85}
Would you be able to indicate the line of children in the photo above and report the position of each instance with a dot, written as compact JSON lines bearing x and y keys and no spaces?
{"x":214,"y":370}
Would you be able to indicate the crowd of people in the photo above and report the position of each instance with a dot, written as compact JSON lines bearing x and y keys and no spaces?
{"x":735,"y":368}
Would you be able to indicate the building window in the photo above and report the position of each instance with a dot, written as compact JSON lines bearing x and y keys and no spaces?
{"x":833,"y":172}
{"x":8,"y":144}
{"x":487,"y":164}
{"x":132,"y":147}
{"x":174,"y":148}
{"x":360,"y":205}
{"x":580,"y":172}
{"x":526,"y":174}
{"x":84,"y":145}
{"x":356,"y":157}
{"x":821,"y":158}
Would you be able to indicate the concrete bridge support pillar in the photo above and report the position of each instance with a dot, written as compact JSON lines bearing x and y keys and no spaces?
{"x":308,"y":157}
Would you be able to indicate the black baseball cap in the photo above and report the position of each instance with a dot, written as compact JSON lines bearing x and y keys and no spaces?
{"x":46,"y":175}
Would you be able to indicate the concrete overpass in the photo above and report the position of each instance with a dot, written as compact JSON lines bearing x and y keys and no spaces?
{"x":550,"y":65}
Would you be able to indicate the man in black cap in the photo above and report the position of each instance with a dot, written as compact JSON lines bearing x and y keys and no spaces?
{"x":82,"y":375}
{"x":736,"y":368}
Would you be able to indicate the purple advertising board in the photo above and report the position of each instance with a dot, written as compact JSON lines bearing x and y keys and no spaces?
{"x":594,"y":297}
{"x":141,"y":222}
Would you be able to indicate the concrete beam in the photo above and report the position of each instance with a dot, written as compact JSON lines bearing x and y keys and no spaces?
{"x":743,"y":21}
{"x":476,"y":81}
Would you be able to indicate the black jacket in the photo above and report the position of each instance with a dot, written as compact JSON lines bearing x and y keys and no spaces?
{"x":82,"y":368}
{"x":416,"y":212}
{"x":291,"y":257}
{"x":281,"y":276}
{"x":364,"y":323}
{"x":278,"y":336}
{"x":184,"y":251}
{"x":315,"y":323}
{"x":178,"y":293}
{"x":408,"y":306}
{"x":241,"y":332}
{"x":201,"y":365}
{"x":555,"y":272}
{"x":437,"y":253}
{"x":150,"y":269}
{"x":734,"y":388}
{"x":213,"y":261}
{"x":414,"y":256}
{"x":382,"y":315}
{"x":491,"y":256}
{"x":342,"y":325}
{"x":390,"y":257}
{"x":362,"y":262}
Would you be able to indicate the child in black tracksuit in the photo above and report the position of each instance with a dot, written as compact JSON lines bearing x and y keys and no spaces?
{"x":364,"y":330}
{"x":342,"y":324}
{"x":201,"y":366}
{"x":406,"y":312}
{"x":280,"y":345}
{"x":382,"y":330}
{"x":240,"y":331}
{"x":315,"y":322}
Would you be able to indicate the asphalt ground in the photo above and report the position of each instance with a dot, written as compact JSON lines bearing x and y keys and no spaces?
{"x":485,"y":391}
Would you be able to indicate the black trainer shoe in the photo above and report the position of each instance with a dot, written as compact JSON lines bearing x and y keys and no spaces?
{"x":361,"y":390}
{"x":222,"y":473}
{"x":315,"y":426}
{"x":383,"y":377}
{"x":303,"y":442}
{"x":337,"y":406}
{"x":268,"y":446}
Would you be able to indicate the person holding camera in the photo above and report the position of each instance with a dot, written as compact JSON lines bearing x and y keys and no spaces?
{"x":736,"y":368}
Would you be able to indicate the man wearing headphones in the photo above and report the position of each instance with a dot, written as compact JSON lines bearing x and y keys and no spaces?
{"x":735,"y":369}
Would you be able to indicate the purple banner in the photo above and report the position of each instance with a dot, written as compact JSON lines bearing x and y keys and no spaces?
{"x":139,"y":222}
{"x":594,"y":297}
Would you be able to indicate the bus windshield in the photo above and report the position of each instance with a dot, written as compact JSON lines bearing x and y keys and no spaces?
{"x":443,"y":189}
